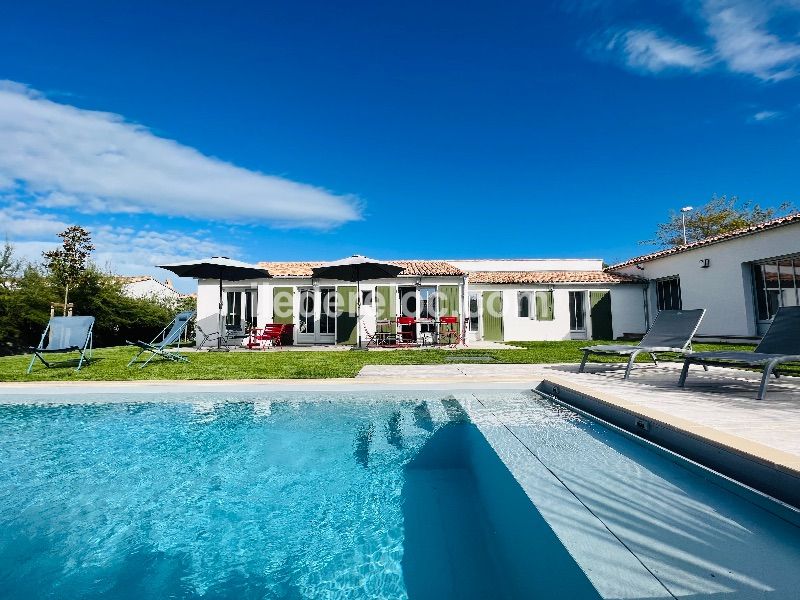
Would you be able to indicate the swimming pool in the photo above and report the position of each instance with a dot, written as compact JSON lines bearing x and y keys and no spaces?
{"x":366,"y":495}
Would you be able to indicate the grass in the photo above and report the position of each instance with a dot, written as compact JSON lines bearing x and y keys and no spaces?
{"x":109,"y":363}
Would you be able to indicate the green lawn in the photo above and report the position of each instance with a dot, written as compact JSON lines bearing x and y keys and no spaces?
{"x":109,"y":363}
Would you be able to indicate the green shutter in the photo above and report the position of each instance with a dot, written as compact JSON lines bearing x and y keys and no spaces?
{"x":493,"y":316}
{"x":346,"y":320}
{"x":544,"y":306}
{"x":600,"y":311}
{"x":449,"y":297}
{"x":386,"y":308}
{"x":283,"y":305}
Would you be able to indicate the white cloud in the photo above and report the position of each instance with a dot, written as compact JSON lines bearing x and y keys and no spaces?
{"x":120,"y":250}
{"x":741,"y":37}
{"x":766,"y":115}
{"x":98,"y":162}
{"x":650,"y":51}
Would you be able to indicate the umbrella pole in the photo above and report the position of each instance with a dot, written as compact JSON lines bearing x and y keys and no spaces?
{"x":219,"y":347}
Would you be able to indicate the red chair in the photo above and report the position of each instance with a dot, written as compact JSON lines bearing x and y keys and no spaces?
{"x":269,"y":335}
{"x":406,"y":330}
{"x":448,"y":331}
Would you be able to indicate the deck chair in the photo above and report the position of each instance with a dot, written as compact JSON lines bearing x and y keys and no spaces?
{"x":66,"y":334}
{"x":169,"y":335}
{"x":672,"y":331}
{"x":780,"y":345}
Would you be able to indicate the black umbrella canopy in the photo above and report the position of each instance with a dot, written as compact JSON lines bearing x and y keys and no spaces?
{"x":357,"y":268}
{"x":217,"y":267}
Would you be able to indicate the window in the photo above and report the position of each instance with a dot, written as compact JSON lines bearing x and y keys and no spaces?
{"x":366,"y":297}
{"x":668,"y":293}
{"x":776,"y":283}
{"x":427,"y":303}
{"x":233,"y":318}
{"x":577,"y":311}
{"x":473,"y":311}
{"x":524,"y":304}
{"x":544,"y":305}
{"x":327,"y":318}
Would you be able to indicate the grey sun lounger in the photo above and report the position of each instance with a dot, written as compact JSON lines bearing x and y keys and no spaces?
{"x":672,"y":331}
{"x":159,"y":346}
{"x":780,"y":345}
{"x":66,"y":334}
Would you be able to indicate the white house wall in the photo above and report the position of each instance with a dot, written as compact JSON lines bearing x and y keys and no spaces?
{"x":627,"y":309}
{"x":724,"y":288}
{"x":626,"y":304}
{"x":528,"y":264}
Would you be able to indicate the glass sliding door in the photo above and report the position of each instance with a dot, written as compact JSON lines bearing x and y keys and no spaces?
{"x":317,"y":318}
{"x":577,"y":315}
{"x":776,"y":283}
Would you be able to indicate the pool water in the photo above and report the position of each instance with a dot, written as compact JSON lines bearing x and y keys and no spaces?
{"x":370,"y":495}
{"x":238,"y":497}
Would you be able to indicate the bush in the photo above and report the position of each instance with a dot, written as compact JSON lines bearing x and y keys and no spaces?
{"x":25,"y":310}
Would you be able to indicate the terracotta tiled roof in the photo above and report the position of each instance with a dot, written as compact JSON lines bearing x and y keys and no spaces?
{"x":124,"y":279}
{"x":548,"y":277}
{"x":412,"y":268}
{"x":714,"y":239}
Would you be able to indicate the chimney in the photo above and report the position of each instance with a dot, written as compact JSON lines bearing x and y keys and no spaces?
{"x":168,"y":283}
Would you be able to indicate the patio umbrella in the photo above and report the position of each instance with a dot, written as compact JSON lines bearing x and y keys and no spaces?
{"x":357,"y":268}
{"x":217,"y":267}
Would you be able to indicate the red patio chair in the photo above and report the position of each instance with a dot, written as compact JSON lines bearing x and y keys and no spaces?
{"x":269,"y":335}
{"x":406,"y":330}
{"x":448,"y":331}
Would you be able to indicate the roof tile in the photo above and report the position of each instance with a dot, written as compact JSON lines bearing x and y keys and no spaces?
{"x":412,"y":268}
{"x":548,"y":277}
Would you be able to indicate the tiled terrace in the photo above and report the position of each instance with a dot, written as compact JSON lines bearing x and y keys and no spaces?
{"x":721,"y":400}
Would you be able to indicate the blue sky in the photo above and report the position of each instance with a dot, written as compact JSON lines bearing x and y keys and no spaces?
{"x":313,"y":130}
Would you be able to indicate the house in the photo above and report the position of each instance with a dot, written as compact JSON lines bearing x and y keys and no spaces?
{"x":145,"y":286}
{"x":496,"y":300}
{"x":740,"y":277}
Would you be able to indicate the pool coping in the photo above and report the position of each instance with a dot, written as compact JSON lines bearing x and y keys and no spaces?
{"x":749,"y":462}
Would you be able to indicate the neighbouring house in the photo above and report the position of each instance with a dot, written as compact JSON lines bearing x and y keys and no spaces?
{"x":145,"y":286}
{"x":740,"y":277}
{"x":493,"y":300}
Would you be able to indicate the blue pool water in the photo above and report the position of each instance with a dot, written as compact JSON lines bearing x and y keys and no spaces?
{"x":358,"y":496}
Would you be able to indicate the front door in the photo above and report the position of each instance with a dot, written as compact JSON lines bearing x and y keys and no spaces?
{"x":317,"y":318}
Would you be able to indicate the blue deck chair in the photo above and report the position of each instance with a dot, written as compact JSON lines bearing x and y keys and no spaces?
{"x":672,"y":331}
{"x":66,"y":334}
{"x":169,"y":335}
{"x":780,"y":345}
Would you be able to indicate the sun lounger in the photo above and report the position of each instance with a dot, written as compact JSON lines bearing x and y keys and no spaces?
{"x":66,"y":334}
{"x":672,"y":331}
{"x":780,"y":345}
{"x":159,"y":346}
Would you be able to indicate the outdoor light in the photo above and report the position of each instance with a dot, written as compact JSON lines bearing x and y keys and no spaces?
{"x":684,"y":210}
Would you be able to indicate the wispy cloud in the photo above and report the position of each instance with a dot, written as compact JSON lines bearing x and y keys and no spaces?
{"x":60,"y":156}
{"x":741,"y":36}
{"x":743,"y":41}
{"x":765,"y":115}
{"x":650,"y":51}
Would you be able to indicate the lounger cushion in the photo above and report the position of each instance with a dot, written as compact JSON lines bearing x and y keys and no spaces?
{"x":748,"y":358}
{"x":627,"y":349}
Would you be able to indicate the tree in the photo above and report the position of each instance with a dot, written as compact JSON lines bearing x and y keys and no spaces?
{"x":9,"y":265}
{"x":68,"y":263}
{"x":719,"y":215}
